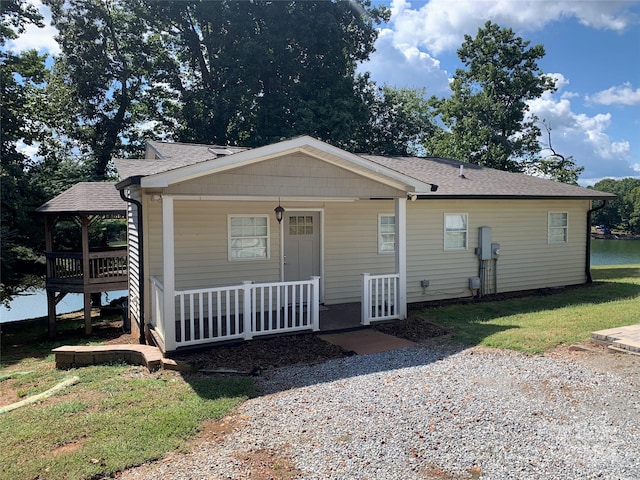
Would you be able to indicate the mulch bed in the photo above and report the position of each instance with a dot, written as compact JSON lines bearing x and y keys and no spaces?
{"x":249,"y":357}
{"x":260,"y":354}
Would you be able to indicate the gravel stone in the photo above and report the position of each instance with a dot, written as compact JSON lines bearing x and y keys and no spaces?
{"x":436,"y":412}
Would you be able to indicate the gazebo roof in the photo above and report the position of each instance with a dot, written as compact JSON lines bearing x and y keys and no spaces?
{"x":97,"y":198}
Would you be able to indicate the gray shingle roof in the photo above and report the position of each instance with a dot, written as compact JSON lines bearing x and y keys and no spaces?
{"x":190,"y":152}
{"x":480,"y":181}
{"x":86,"y":197}
{"x":171,"y":156}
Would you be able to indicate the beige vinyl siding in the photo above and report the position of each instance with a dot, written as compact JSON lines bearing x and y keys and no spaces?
{"x":350,"y":245}
{"x":351,"y":248}
{"x":133,"y":251}
{"x":527,"y":260}
{"x":292,"y":175}
{"x":153,"y":235}
{"x":201,"y":245}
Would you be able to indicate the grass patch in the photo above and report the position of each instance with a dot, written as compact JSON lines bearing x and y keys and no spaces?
{"x":537,"y":323}
{"x":117,"y":416}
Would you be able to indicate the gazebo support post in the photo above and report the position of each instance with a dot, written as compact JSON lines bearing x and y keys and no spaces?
{"x":84,"y":220}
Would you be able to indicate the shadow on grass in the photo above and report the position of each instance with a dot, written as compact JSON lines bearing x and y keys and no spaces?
{"x":30,"y":338}
{"x":473,"y":322}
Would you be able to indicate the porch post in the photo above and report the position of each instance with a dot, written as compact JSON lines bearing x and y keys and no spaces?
{"x":365,"y":306}
{"x":168,"y":274}
{"x":401,"y":255}
{"x":315,"y":305}
{"x":247,"y":309}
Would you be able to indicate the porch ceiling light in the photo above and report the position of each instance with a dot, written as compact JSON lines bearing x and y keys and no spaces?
{"x":279,"y":212}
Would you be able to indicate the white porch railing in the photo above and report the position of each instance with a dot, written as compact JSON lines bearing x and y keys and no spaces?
{"x":238,"y":312}
{"x":157,"y":305}
{"x":380,"y":297}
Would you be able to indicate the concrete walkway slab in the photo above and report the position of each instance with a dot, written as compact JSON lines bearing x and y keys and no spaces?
{"x":625,"y":338}
{"x":366,"y":341}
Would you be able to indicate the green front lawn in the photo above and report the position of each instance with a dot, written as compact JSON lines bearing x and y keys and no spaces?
{"x":536,"y":323}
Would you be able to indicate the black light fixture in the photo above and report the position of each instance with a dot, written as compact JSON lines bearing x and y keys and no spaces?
{"x":279,"y":212}
{"x":434,"y":187}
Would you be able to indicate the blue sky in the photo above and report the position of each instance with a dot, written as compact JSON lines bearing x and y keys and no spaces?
{"x":592,"y":49}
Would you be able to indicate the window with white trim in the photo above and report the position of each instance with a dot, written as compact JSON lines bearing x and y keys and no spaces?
{"x":386,"y":233}
{"x":248,"y":237}
{"x":455,"y":231}
{"x":558,"y":227}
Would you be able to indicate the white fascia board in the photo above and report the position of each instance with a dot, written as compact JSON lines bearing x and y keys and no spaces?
{"x":264,"y":198}
{"x":377,"y":172}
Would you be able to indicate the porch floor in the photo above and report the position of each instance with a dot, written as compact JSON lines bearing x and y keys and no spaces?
{"x":344,"y":316}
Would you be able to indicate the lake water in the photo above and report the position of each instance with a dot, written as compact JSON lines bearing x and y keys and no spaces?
{"x":34,"y":304}
{"x":603,"y":252}
{"x":615,"y":252}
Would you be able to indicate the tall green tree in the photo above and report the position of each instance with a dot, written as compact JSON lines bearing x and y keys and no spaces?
{"x":485,"y":120}
{"x":256,"y":72}
{"x":22,"y":77}
{"x":101,"y":77}
{"x":551,"y":164}
{"x":624,"y":211}
{"x":400,"y":121}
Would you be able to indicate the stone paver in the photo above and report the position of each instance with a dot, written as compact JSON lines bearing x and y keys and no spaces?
{"x":625,"y":338}
{"x":366,"y":341}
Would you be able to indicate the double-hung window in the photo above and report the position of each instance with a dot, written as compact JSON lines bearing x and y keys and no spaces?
{"x":455,"y":231}
{"x":248,"y":237}
{"x":386,"y":233}
{"x":558,"y":227}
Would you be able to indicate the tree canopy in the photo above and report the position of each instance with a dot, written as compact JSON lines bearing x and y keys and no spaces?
{"x":486,"y":119}
{"x":243,"y":73}
{"x":624,"y":211}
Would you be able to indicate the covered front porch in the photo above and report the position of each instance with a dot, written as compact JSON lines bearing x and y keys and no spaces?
{"x":206,"y":316}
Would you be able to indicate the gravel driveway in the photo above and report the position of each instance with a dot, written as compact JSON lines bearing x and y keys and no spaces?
{"x":428,"y":412}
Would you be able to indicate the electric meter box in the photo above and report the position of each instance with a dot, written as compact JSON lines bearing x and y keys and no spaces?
{"x":484,"y":243}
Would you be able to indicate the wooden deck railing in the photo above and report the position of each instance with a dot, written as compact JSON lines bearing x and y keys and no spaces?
{"x":104,"y":267}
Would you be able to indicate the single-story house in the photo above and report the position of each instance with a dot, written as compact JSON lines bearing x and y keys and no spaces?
{"x":230,"y":243}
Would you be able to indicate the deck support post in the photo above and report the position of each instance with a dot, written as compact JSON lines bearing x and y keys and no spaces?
{"x":51,"y":313}
{"x":51,"y":295}
{"x":84,"y":223}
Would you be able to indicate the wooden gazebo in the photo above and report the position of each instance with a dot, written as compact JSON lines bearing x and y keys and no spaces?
{"x":87,"y":271}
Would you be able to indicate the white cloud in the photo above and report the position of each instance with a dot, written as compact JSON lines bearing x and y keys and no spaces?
{"x":584,"y":137}
{"x":28,"y":150}
{"x":403,"y":65}
{"x":623,"y":94}
{"x":440,"y":25}
{"x":40,"y":39}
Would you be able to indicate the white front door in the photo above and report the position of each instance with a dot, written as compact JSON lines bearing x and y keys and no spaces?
{"x":301,"y":245}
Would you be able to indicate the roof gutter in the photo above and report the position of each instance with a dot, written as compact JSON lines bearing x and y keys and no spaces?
{"x":121,"y":187}
{"x":588,"y":249}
